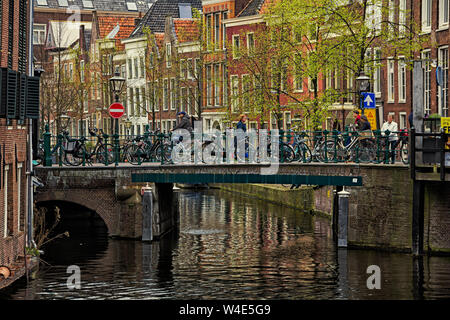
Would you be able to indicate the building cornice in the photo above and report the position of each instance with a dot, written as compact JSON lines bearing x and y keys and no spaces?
{"x":239,"y":21}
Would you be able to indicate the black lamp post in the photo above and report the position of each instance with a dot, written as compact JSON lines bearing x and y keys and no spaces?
{"x":117,"y":83}
{"x":363,"y":84}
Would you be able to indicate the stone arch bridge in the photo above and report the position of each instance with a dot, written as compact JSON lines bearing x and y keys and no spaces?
{"x":380,"y":201}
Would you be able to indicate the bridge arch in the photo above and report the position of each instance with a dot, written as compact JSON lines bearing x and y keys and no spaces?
{"x":103,"y":202}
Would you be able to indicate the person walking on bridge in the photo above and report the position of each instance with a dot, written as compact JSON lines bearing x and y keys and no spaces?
{"x":393,"y":137}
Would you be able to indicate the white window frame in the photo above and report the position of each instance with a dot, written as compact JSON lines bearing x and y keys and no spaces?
{"x":216,"y":81}
{"x":248,"y":42}
{"x":173,"y":95}
{"x":390,"y":80}
{"x":39,"y":33}
{"x":190,"y":69}
{"x":402,"y":124}
{"x":235,"y":53}
{"x":426,"y":84}
{"x":377,"y":72}
{"x":5,"y":201}
{"x":401,"y":80}
{"x":426,"y":15}
{"x":168,"y":55}
{"x":443,"y":20}
{"x":442,"y":108}
{"x":165,"y":94}
{"x":234,"y":86}
{"x":402,"y":19}
{"x":296,"y":84}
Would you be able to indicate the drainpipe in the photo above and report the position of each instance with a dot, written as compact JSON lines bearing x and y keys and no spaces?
{"x":30,"y":138}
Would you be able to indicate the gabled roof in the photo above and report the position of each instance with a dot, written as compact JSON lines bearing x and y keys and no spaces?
{"x":186,"y":30}
{"x":99,"y":5}
{"x":156,"y":16}
{"x":107,"y":23}
{"x":62,"y":34}
{"x":253,"y":8}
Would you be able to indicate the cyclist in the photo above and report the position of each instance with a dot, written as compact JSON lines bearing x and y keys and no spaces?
{"x":184,"y":122}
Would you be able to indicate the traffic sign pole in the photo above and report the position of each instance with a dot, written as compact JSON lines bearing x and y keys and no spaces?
{"x":116,"y":110}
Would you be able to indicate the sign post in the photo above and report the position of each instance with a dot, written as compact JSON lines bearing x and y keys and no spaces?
{"x":116,"y":110}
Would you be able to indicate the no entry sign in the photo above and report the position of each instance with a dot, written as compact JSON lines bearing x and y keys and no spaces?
{"x":116,"y":110}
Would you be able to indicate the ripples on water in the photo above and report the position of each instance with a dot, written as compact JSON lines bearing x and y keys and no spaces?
{"x":227,"y":247}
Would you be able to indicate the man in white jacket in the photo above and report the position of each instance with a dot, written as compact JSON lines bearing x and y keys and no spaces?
{"x":393,"y":137}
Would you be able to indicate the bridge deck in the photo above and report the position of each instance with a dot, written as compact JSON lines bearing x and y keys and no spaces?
{"x":342,"y":174}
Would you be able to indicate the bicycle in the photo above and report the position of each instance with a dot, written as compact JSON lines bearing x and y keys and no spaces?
{"x":103,"y":152}
{"x":360,"y":147}
{"x":143,"y":149}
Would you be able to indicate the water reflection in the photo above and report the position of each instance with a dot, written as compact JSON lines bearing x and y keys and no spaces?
{"x":228,"y":247}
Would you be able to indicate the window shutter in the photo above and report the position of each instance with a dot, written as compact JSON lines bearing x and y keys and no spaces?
{"x":3,"y":81}
{"x":32,"y":98}
{"x":22,"y":36}
{"x":11,"y":94}
{"x":22,"y":96}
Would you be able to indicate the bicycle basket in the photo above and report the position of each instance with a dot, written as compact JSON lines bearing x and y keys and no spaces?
{"x":72,"y":146}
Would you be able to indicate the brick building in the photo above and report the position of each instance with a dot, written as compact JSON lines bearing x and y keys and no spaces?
{"x":18,"y":106}
{"x":396,"y":93}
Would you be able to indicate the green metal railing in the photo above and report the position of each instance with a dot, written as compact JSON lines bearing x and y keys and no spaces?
{"x":156,"y":147}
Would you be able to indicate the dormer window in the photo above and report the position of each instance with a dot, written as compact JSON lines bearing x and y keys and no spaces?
{"x":131,"y":6}
{"x":63,"y":3}
{"x":88,"y":4}
{"x":42,"y":3}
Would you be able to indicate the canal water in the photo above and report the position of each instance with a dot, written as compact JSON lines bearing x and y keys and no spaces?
{"x":227,"y":247}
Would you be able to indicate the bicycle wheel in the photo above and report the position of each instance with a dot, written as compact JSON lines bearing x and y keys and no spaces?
{"x":166,"y":152}
{"x":287,"y":153}
{"x":105,"y":154}
{"x":366,"y":151}
{"x":303,"y":153}
{"x":330,"y":152}
{"x":76,"y":158}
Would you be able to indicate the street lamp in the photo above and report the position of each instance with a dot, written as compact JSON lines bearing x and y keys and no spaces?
{"x":363,"y":85}
{"x":117,"y":83}
{"x":65,"y":119}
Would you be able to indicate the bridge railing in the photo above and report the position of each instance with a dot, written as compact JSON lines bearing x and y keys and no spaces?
{"x":229,"y":147}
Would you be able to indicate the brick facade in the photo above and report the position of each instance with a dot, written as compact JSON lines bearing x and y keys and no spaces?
{"x":13,"y":144}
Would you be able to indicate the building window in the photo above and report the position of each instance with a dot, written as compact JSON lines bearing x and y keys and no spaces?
{"x":377,"y":72}
{"x":208,"y":31}
{"x":236,"y":46}
{"x":190,"y":68}
{"x":443,"y":13}
{"x":131,"y":97}
{"x":142,"y":67}
{"x":216,"y":85}
{"x":39,"y":31}
{"x":402,"y":122}
{"x":5,"y":200}
{"x":71,"y":71}
{"x":250,"y":43}
{"x":426,"y":15}
{"x":130,"y":69}
{"x":138,"y":102}
{"x":246,"y":90}
{"x":217,"y":31}
{"x":183,"y":69}
{"x":82,"y":71}
{"x":168,"y":55}
{"x":443,"y":91}
{"x":166,"y":95}
{"x":136,"y":68}
{"x":402,"y":16}
{"x":426,"y":60}
{"x":401,"y":80}
{"x":209,"y":85}
{"x":234,"y":93}
{"x":173,"y":95}
{"x":224,"y":33}
{"x":390,"y":80}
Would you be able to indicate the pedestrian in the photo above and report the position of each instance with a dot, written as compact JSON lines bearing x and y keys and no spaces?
{"x":184,"y":122}
{"x":357,"y":118}
{"x":411,"y":120}
{"x":242,"y":126}
{"x":242,"y":123}
{"x":364,"y":123}
{"x":393,"y":137}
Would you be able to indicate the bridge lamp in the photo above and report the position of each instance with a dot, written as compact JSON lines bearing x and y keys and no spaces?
{"x":363,"y":85}
{"x":117,"y":83}
{"x":65,"y":119}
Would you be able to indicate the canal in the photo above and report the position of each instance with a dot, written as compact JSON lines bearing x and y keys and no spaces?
{"x":227,"y":247}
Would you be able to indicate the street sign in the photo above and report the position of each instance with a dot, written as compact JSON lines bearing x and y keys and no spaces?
{"x":445,"y":124}
{"x":372,"y":117}
{"x":368,"y":100}
{"x":116,"y":110}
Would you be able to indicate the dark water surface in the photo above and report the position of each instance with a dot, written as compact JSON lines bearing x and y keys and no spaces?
{"x":227,"y":247}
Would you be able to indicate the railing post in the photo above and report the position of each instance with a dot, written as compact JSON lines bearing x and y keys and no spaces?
{"x":387,"y":147}
{"x":335,"y":135}
{"x":47,"y":148}
{"x":161,"y":144}
{"x":326,"y":145}
{"x":412,"y":153}
{"x":105,"y":136}
{"x":116,"y":149}
{"x":60,"y":143}
{"x":378,"y":137}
